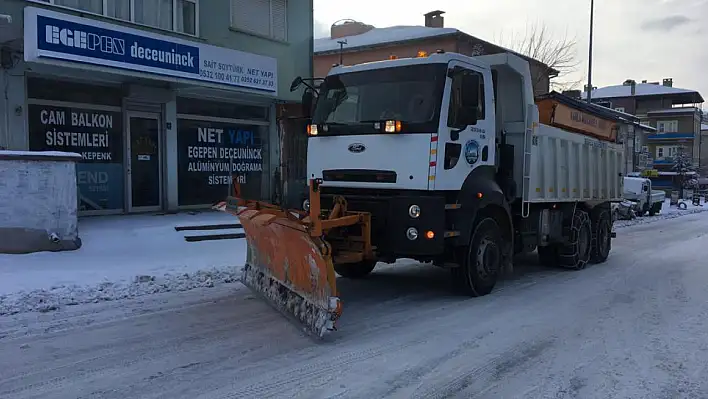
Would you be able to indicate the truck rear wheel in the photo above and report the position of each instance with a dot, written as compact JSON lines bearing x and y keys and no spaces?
{"x":575,"y":253}
{"x":601,"y":237}
{"x":481,"y":260}
{"x":355,"y":270}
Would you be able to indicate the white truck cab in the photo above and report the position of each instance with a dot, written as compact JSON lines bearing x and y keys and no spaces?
{"x":639,"y":191}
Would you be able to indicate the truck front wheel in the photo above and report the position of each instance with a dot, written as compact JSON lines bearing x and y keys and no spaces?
{"x":481,"y":260}
{"x":355,"y":270}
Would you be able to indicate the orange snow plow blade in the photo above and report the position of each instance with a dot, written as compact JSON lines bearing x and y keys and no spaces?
{"x":289,"y":261}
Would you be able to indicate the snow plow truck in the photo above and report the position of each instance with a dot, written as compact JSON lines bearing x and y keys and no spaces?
{"x":439,"y":158}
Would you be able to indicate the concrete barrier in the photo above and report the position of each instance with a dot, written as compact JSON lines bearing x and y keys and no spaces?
{"x":38,"y":201}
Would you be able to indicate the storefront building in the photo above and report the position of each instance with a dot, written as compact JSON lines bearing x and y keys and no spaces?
{"x":165,"y":110}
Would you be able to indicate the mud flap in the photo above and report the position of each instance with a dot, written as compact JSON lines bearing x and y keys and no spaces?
{"x":290,"y":269}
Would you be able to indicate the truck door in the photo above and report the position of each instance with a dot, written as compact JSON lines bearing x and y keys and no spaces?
{"x":467,"y":146}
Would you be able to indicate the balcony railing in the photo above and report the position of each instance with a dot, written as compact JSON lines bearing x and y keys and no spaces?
{"x":664,"y":161}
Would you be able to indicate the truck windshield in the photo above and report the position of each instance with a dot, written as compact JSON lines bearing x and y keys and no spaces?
{"x":348,"y":103}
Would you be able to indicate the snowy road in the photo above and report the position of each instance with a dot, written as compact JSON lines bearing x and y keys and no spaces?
{"x":635,"y":327}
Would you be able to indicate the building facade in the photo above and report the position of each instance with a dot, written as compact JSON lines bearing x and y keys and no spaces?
{"x":166,"y":100}
{"x":353,"y":42}
{"x":673,"y":112}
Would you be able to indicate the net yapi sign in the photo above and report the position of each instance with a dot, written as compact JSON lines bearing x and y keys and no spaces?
{"x":50,"y":35}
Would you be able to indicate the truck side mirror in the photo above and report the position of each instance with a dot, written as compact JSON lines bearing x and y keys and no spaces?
{"x":295,"y":84}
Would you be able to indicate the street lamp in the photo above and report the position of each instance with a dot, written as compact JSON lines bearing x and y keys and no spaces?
{"x":589,"y":88}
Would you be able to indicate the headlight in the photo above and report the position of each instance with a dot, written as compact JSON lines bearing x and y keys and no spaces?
{"x":414,"y":211}
{"x":412,"y":233}
{"x":306,"y":205}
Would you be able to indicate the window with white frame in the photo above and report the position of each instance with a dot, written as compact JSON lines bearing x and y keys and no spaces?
{"x":263,"y":17}
{"x":174,"y":15}
{"x":667,"y":126}
{"x":668,"y":151}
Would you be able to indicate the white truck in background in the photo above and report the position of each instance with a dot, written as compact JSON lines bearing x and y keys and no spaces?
{"x":639,"y":191}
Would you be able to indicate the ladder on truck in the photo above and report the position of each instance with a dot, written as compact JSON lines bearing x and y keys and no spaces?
{"x":529,"y":136}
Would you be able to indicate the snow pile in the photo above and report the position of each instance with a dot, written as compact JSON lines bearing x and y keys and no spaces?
{"x":121,"y":257}
{"x":46,"y":300}
{"x":667,"y":212}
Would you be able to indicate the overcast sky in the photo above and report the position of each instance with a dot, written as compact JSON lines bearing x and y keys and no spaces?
{"x":637,"y":39}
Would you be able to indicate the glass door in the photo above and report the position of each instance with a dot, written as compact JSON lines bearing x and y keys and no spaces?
{"x":144,"y":163}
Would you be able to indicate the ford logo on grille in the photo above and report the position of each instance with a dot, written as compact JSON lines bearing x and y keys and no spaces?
{"x":356,"y":148}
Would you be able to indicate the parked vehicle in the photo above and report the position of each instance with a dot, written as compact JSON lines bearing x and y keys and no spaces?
{"x":438,"y":158}
{"x":639,"y":191}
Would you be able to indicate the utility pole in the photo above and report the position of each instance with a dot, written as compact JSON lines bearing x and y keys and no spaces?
{"x":341,"y":50}
{"x":589,"y":88}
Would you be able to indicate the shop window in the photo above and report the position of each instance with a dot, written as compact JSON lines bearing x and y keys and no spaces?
{"x":173,"y":15}
{"x":54,"y":90}
{"x":211,"y":153}
{"x":263,"y":17}
{"x":221,"y":110}
{"x":95,"y":134}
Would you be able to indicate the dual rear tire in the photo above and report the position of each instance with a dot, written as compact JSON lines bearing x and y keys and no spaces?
{"x":589,"y":241}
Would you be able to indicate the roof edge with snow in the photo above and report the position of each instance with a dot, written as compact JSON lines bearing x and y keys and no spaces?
{"x":328,"y":46}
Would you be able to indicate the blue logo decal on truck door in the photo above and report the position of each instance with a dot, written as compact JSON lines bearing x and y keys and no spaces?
{"x":471,"y":152}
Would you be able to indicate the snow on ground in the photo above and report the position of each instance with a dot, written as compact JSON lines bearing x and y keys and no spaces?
{"x":667,"y":212}
{"x":633,"y":327}
{"x":131,"y":256}
{"x":121,"y":257}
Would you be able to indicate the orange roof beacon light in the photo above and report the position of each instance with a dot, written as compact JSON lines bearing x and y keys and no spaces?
{"x":392,"y":57}
{"x":422,"y":54}
{"x":312,"y":130}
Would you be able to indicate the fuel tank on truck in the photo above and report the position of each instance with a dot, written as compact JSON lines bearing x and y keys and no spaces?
{"x":386,"y":161}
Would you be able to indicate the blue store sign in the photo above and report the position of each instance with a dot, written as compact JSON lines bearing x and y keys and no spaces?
{"x":52,"y":35}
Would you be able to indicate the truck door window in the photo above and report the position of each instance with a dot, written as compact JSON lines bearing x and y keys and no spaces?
{"x":457,"y":82}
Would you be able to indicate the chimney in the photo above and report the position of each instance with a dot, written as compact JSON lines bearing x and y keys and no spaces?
{"x":349,"y":28}
{"x":668,"y":82}
{"x":434,"y":19}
